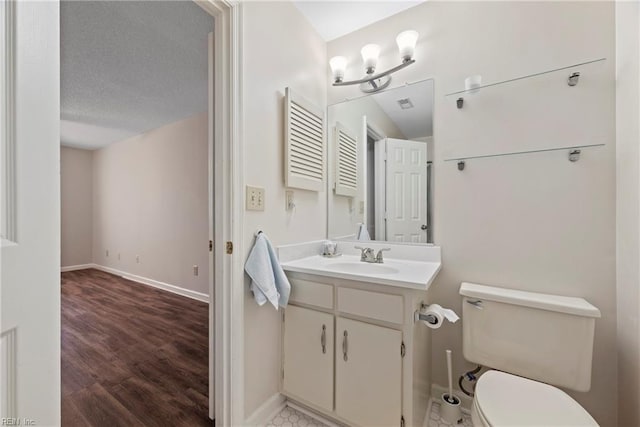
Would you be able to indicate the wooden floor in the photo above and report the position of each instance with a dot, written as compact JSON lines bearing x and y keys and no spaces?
{"x":132,"y":355}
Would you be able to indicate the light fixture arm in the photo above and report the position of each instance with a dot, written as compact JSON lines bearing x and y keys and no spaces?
{"x":376,"y":76}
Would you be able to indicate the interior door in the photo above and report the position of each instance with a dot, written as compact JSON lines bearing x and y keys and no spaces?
{"x":368,"y":373}
{"x":30,"y":180}
{"x":308,"y":356}
{"x":406,"y":191}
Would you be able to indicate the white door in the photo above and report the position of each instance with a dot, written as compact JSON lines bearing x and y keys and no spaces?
{"x":308,"y":356}
{"x":406,"y":191}
{"x":368,"y":374}
{"x":30,"y":180}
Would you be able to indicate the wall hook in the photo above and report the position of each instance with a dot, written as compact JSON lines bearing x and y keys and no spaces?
{"x":573,"y":79}
{"x":461,"y":165}
{"x":574,"y":155}
{"x":460,"y":102}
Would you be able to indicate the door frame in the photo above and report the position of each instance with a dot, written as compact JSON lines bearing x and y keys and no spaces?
{"x":370,"y":129}
{"x":226,"y":307}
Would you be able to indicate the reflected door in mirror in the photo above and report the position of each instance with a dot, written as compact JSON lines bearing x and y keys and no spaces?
{"x":406,"y":191}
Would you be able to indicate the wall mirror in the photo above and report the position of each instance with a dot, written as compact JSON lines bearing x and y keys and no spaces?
{"x":380,"y":151}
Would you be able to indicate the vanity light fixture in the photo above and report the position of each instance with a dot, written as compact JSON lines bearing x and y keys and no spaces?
{"x":373,"y":82}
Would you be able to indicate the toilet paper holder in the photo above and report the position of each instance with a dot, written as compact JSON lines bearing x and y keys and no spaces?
{"x":429,"y":318}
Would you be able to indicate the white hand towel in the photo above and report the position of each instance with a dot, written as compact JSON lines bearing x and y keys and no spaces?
{"x":363,"y":233}
{"x":268,"y":280}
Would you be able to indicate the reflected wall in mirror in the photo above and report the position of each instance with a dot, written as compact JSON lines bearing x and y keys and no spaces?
{"x":380,"y":152}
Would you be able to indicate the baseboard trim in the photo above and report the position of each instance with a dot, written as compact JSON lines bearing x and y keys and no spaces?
{"x":437,"y":391}
{"x":75,"y":267}
{"x":269,"y":409}
{"x":154,"y":283}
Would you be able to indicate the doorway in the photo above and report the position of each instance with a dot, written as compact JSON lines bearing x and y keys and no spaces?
{"x":136,"y":166}
{"x":30,"y":302}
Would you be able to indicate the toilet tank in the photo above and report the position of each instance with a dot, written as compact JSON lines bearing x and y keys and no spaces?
{"x":547,"y":338}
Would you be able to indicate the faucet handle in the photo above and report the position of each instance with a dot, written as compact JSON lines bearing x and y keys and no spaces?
{"x":379,"y":257}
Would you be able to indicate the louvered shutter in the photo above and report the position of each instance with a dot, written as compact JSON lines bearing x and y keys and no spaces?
{"x":304,"y":143}
{"x":346,"y":162}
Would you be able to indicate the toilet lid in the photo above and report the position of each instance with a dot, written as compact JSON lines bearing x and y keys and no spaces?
{"x":507,"y":400}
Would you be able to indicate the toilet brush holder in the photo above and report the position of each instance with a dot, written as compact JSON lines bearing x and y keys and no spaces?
{"x":450,"y":409}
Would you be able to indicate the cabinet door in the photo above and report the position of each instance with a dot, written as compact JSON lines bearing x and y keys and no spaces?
{"x":308,"y":356}
{"x":368,"y":374}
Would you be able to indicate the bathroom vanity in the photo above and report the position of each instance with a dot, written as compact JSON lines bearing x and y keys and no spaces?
{"x":351,"y":349}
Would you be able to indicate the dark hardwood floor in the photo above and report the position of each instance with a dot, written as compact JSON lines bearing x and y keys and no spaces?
{"x":132,"y":355}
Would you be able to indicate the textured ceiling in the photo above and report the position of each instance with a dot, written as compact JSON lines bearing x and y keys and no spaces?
{"x":129,"y":67}
{"x":416,"y":122}
{"x":333,"y":19}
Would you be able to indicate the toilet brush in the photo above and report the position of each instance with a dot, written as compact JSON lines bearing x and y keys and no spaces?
{"x":450,"y":407}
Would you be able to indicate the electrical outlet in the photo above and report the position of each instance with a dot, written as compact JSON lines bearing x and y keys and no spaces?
{"x":255,"y":198}
{"x":290,"y":204}
{"x":137,"y":259}
{"x":195,"y":270}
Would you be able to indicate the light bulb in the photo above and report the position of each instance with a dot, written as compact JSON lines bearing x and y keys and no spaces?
{"x":338,"y":66}
{"x":406,"y":44}
{"x":370,"y":54}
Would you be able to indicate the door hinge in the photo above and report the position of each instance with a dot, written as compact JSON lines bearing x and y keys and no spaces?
{"x":283,"y":373}
{"x":210,"y":245}
{"x":402,"y":349}
{"x":402,"y":421}
{"x":229,"y":248}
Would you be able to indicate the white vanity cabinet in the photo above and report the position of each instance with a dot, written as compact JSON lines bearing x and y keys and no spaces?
{"x":368,"y":373}
{"x":309,"y":356}
{"x":351,"y":349}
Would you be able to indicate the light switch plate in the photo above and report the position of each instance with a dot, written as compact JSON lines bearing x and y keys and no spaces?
{"x":255,"y":198}
{"x":289,"y":202}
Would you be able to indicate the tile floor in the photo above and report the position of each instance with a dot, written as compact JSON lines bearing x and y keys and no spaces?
{"x":289,"y":417}
{"x":436,"y":421}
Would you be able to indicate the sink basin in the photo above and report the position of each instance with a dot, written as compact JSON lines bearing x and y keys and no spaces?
{"x":363,"y":268}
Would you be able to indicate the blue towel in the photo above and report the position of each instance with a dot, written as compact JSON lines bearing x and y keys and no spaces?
{"x":268,"y":281}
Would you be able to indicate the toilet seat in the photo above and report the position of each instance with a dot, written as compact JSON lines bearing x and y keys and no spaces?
{"x":503,"y":400}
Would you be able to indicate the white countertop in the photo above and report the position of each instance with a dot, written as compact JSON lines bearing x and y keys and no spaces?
{"x":410,"y":273}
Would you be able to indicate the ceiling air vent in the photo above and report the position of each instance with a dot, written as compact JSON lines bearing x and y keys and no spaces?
{"x":405,"y":103}
{"x":304,"y":143}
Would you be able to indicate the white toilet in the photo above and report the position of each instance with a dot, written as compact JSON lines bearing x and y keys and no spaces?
{"x":532,"y":340}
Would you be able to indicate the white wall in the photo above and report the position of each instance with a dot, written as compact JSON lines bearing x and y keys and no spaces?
{"x":628,"y":209}
{"x":76,"y":177}
{"x":535,"y":222}
{"x":280,"y":49}
{"x":150,"y":196}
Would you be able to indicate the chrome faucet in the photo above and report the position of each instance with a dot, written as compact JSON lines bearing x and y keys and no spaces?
{"x":367,"y":255}
{"x":379,"y":258}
